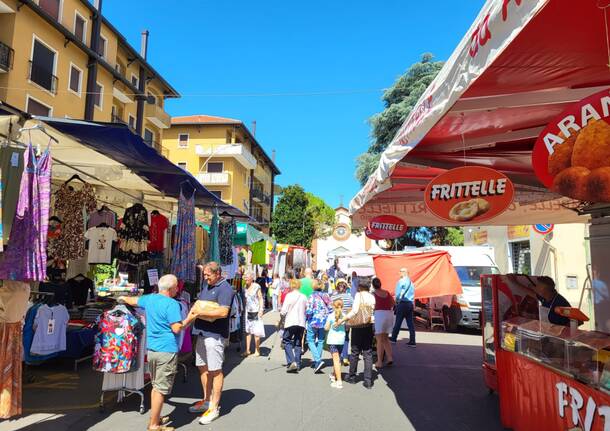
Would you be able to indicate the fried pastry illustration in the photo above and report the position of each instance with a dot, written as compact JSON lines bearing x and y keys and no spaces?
{"x":562,"y":156}
{"x":467,"y":210}
{"x":572,"y":182}
{"x":598,"y":185}
{"x":592,"y":147}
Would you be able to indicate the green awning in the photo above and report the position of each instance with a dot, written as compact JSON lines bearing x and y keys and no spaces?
{"x":246,"y":234}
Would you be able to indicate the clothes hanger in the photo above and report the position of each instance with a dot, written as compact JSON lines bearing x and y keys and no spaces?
{"x":55,"y":218}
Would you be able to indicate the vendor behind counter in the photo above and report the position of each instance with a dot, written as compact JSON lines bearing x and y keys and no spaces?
{"x":550,"y":298}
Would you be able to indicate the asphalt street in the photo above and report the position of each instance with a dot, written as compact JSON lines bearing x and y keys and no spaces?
{"x":437,"y":386}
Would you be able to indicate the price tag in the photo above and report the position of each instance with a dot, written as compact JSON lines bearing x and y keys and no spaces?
{"x":14,"y":159}
{"x":51,"y":327}
{"x":153,"y":277}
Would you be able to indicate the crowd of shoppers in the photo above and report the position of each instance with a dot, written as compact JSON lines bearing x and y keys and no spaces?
{"x":315,"y":311}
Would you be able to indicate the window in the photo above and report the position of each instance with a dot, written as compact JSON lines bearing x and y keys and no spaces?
{"x":152,"y":99}
{"x":52,"y":7}
{"x":131,"y":121}
{"x":149,"y":137}
{"x":215,"y":167}
{"x":217,"y":193}
{"x":102,"y":45}
{"x":520,"y":257}
{"x":34,"y":107}
{"x":182,"y":165}
{"x":229,"y":137}
{"x":75,"y":82}
{"x":134,"y":80}
{"x":42,"y":66}
{"x":80,"y":27}
{"x":119,"y":68}
{"x":98,"y":96}
{"x":183,"y":140}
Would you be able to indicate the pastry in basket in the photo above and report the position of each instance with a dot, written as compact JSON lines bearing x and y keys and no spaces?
{"x":562,"y":155}
{"x":592,"y":147}
{"x":572,"y":182}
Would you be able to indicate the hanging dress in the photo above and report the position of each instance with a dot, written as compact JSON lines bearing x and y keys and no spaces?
{"x":25,"y":256}
{"x":69,"y":204}
{"x":183,"y":255}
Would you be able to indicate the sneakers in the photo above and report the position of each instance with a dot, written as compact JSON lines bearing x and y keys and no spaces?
{"x":346,"y":362}
{"x":293,"y":368}
{"x":332,"y":377}
{"x":319,"y":366}
{"x":392,"y":341}
{"x":209,"y":416}
{"x":368,"y":385}
{"x":336,"y":385}
{"x":199,"y":407}
{"x":411,"y":345}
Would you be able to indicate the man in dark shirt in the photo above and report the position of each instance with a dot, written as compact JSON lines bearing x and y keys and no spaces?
{"x":212,"y":335}
{"x":550,"y":298}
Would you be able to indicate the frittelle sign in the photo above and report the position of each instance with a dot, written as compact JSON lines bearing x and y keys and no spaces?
{"x":469,"y":195}
{"x":386,"y":227}
{"x":572,"y":154}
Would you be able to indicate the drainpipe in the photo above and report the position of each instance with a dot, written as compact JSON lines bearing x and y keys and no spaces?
{"x":251,"y":198}
{"x":272,"y":199}
{"x":92,"y":62}
{"x":142,"y":85}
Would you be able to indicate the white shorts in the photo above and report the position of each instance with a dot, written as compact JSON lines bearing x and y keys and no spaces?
{"x":210,"y":351}
{"x":384,"y":322}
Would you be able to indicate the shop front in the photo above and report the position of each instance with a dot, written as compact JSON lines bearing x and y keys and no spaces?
{"x":525,"y":94}
{"x":89,"y":212}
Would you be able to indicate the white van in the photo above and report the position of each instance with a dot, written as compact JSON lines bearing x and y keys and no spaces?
{"x":469,"y":263}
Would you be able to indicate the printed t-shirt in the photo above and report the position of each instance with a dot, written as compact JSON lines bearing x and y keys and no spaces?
{"x":161,"y":313}
{"x":100,"y":244}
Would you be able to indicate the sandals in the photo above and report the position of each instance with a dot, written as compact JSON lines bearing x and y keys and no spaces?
{"x":245,"y":354}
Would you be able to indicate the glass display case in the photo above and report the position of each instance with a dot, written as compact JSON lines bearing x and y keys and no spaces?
{"x":588,"y":355}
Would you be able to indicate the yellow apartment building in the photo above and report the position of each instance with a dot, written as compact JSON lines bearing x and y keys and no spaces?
{"x":62,"y":58}
{"x":227,"y":159}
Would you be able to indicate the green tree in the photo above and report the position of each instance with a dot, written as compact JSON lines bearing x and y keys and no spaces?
{"x":323,"y":215}
{"x":398,"y":101}
{"x":292,"y":223}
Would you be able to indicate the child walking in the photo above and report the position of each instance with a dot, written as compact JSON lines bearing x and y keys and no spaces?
{"x":335,"y":341}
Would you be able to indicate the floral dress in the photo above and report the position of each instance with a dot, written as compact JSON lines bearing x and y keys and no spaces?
{"x":69,"y":205}
{"x":133,"y":233}
{"x":116,"y":342}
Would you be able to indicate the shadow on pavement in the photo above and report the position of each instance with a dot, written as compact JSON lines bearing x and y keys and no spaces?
{"x":432,"y":384}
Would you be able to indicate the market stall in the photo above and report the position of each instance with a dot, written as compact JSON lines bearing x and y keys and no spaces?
{"x":514,"y":130}
{"x":87,"y":214}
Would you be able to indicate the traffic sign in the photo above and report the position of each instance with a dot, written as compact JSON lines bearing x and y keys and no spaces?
{"x":544,"y":229}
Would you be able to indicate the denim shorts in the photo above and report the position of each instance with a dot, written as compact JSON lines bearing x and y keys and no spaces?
{"x":335,"y":348}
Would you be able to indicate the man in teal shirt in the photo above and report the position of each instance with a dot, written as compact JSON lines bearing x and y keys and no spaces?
{"x":163,"y":323}
{"x":405,"y":295}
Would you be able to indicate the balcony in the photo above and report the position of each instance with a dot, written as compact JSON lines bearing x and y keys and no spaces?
{"x":6,"y":57}
{"x":260,"y":196}
{"x":119,"y":94}
{"x":154,"y":144}
{"x":156,"y":115}
{"x":116,"y":119}
{"x":214,"y":178}
{"x":238,"y":151}
{"x":257,"y":214}
{"x":43,"y":77}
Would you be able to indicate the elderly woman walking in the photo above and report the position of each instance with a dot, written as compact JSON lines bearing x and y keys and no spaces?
{"x":254,"y":314}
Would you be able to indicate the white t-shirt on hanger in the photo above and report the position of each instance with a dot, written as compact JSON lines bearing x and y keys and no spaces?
{"x":100,"y":244}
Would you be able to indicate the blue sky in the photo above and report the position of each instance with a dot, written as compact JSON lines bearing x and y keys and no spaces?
{"x":216,"y":53}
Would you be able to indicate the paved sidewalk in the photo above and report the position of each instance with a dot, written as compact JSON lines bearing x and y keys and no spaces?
{"x":438,"y":386}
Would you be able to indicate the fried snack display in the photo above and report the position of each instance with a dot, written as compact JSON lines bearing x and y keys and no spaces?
{"x":581,"y":164}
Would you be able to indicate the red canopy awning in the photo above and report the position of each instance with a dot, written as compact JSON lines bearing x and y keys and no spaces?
{"x":520,"y":65}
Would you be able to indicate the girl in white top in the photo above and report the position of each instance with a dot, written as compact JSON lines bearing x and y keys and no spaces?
{"x":254,"y":314}
{"x":335,"y":341}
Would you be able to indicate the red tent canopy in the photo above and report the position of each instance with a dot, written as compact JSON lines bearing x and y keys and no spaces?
{"x":519,"y":66}
{"x":431,"y":272}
